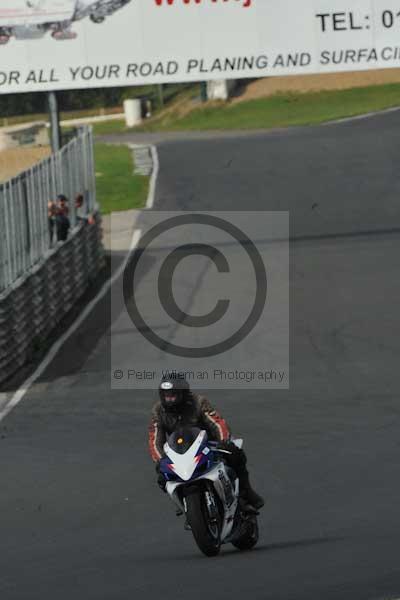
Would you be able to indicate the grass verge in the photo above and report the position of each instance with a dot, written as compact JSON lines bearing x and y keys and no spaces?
{"x":106,"y":127}
{"x":118,"y":188}
{"x":279,"y":110}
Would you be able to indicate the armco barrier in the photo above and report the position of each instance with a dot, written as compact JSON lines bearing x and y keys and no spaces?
{"x":34,"y":305}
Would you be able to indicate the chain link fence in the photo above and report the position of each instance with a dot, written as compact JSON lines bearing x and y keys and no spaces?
{"x":24,"y":221}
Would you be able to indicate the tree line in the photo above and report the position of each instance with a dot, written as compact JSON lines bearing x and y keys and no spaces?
{"x":13,"y":105}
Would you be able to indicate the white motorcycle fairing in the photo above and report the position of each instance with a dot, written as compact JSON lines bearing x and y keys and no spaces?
{"x":184,"y":466}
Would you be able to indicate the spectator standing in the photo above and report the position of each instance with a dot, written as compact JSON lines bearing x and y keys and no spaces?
{"x":62,"y":202}
{"x":82,"y":215}
{"x":62,"y":220}
{"x":80,"y":210}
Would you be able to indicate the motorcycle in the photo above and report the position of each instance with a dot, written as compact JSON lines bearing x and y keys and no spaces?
{"x":32,"y":19}
{"x":206,"y":490}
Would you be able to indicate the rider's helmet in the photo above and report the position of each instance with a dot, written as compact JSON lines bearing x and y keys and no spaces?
{"x":174,"y":391}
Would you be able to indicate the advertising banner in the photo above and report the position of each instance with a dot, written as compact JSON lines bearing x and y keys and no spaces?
{"x":71,"y":44}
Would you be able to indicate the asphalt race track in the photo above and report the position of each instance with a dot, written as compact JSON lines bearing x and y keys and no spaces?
{"x":80,"y":514}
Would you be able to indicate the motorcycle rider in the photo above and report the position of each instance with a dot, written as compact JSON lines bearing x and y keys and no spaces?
{"x":179,"y":406}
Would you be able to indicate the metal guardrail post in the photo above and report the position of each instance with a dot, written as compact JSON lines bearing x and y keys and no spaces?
{"x":54,"y":122}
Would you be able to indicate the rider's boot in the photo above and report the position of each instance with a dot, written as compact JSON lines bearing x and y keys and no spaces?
{"x":238,"y":461}
{"x":247,"y":494}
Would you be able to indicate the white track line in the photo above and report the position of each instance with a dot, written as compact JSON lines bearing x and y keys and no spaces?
{"x":55,"y":348}
{"x":153,"y":179}
{"x":376,"y":113}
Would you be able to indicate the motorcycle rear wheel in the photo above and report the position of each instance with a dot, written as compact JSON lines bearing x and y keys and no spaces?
{"x":250,"y":538}
{"x":205,"y":533}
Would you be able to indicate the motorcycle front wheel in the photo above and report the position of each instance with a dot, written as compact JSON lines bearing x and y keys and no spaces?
{"x":205,"y":532}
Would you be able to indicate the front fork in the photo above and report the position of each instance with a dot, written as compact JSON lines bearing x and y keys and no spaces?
{"x":212,"y":508}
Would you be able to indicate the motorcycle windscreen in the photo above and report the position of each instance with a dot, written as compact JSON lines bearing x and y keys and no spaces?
{"x":181,"y":440}
{"x":35,"y":12}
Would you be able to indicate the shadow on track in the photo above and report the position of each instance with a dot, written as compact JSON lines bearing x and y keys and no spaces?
{"x":297,"y":544}
{"x":228,"y":551}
